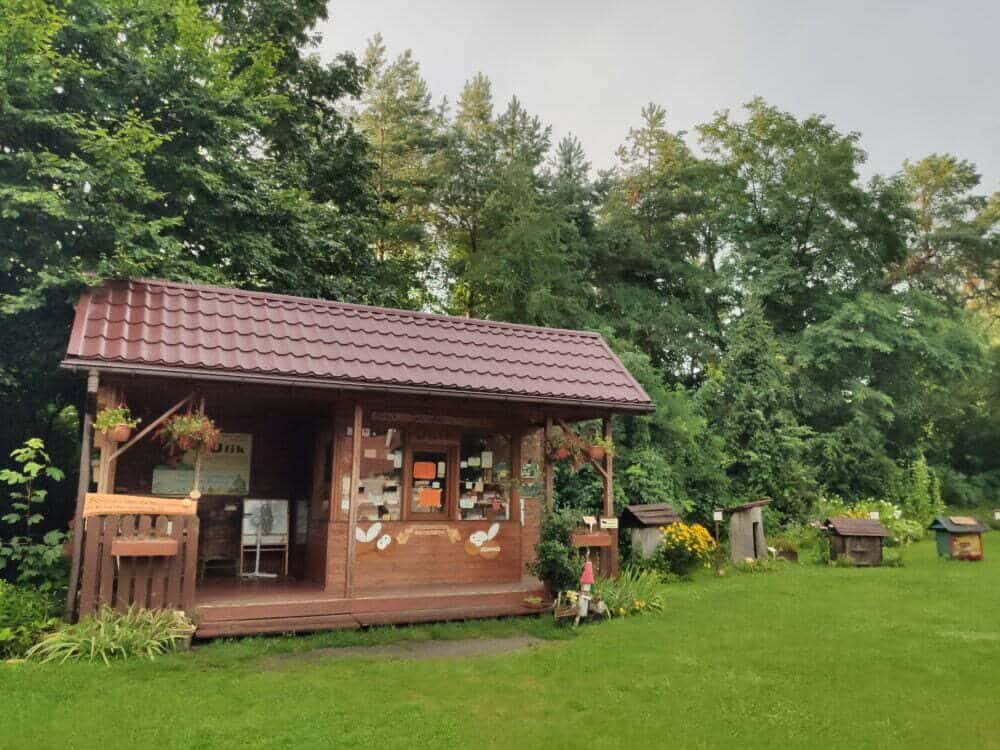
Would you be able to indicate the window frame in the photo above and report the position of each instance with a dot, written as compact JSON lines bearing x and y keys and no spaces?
{"x":451,"y":451}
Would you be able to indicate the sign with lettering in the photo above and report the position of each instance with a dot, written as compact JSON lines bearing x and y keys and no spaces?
{"x":96,"y":504}
{"x":450,"y":532}
{"x":609,"y":523}
{"x":224,"y":471}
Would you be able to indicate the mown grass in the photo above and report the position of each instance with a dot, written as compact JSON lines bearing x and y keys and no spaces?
{"x":802,"y":657}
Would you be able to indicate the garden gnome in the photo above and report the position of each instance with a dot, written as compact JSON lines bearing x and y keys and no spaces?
{"x":586,"y":580}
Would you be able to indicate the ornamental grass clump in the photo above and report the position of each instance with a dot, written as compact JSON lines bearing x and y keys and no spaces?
{"x":143,"y":633}
{"x":683,"y":547}
{"x":633,"y":592}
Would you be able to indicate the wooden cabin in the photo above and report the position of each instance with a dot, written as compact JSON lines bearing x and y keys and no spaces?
{"x":375,"y":466}
{"x":958,"y":537}
{"x":860,"y":539}
{"x":644,"y":523}
{"x":746,"y":531}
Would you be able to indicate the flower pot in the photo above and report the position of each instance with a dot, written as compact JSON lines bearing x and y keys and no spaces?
{"x":120,"y":433}
{"x":596,"y":452}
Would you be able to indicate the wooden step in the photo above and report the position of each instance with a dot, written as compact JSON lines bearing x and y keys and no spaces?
{"x":300,"y":616}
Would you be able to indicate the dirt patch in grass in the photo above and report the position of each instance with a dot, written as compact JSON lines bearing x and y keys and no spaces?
{"x":412,"y":650}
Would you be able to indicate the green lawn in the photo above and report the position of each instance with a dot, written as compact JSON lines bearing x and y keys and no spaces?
{"x":803,"y":657}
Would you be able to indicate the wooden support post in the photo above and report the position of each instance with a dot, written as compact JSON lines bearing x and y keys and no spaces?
{"x":547,"y":474}
{"x":352,"y":513}
{"x":609,"y":500}
{"x":82,"y":487}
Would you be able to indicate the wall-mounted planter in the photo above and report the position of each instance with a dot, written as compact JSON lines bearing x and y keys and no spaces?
{"x":144,"y":547}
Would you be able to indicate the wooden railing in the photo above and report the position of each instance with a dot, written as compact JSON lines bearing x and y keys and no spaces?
{"x":143,"y":558}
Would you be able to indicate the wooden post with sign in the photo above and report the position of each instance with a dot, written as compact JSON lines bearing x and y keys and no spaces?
{"x":609,"y":556}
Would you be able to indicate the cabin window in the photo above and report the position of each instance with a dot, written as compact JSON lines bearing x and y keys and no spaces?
{"x":484,"y":478}
{"x":430,"y":470}
{"x":380,"y":489}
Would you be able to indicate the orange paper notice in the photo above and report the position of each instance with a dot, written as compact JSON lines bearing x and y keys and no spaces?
{"x":424,"y":470}
{"x":429,"y":498}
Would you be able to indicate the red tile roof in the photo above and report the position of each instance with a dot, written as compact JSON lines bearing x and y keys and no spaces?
{"x":166,"y":327}
{"x":856,"y":527}
{"x":653,"y":514}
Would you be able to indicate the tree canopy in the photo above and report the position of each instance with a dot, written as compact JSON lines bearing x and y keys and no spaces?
{"x":803,"y":332}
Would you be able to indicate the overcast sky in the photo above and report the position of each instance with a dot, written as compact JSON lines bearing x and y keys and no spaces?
{"x":913,"y":77}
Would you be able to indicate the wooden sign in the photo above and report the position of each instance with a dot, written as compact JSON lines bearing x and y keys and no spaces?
{"x":450,"y":532}
{"x":594,"y":539}
{"x":224,"y":471}
{"x":98,"y":504}
{"x":609,"y":523}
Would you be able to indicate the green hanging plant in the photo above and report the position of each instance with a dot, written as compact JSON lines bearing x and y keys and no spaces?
{"x":116,"y":423}
{"x":189,"y":432}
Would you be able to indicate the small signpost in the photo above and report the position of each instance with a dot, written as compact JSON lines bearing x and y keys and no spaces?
{"x":717,"y":517}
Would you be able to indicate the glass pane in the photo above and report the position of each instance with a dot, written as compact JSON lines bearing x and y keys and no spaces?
{"x":484,"y":478}
{"x":429,"y":488}
{"x":379,"y":496}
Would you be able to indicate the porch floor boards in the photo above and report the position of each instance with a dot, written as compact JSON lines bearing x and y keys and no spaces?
{"x":249,"y":607}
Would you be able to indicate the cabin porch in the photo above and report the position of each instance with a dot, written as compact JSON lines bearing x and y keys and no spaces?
{"x":228,"y":607}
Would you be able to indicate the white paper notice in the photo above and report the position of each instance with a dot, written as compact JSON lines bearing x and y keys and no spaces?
{"x":487,"y":459}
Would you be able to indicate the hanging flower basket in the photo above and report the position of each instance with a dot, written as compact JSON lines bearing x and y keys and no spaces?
{"x":115,"y":423}
{"x":188,"y":432}
{"x":599,"y":447}
{"x":560,"y":449}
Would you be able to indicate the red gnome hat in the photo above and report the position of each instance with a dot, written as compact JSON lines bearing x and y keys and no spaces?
{"x":588,"y":573}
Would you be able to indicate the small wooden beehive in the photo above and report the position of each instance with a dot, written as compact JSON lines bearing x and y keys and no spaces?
{"x":860,"y":539}
{"x":644,"y":522}
{"x":959,"y":537}
{"x":746,"y":531}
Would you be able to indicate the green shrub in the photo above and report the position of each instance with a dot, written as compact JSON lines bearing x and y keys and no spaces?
{"x":109,"y":635}
{"x":892,"y":558}
{"x":27,"y":556}
{"x":963,"y":491}
{"x":634,"y":591}
{"x":920,"y":496}
{"x":25,"y":615}
{"x":558,"y":563}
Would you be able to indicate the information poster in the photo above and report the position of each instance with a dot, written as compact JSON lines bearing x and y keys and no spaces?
{"x":224,"y":471}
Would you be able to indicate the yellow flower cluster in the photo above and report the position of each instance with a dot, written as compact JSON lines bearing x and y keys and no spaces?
{"x":692,"y":538}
